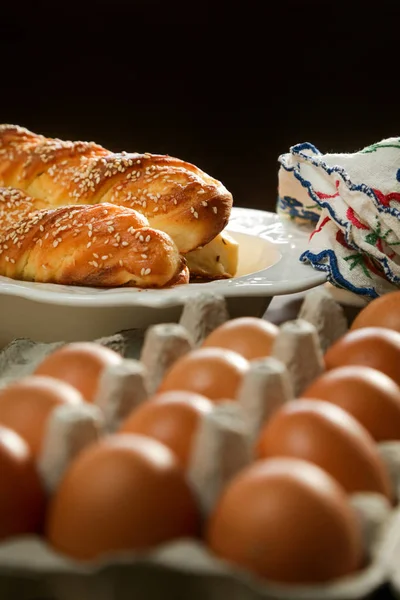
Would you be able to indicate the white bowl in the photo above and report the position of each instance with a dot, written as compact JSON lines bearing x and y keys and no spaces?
{"x":269,"y":250}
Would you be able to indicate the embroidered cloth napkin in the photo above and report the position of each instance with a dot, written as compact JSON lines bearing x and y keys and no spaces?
{"x":352,"y":204}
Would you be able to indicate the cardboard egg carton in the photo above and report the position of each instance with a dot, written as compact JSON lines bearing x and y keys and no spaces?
{"x":30,"y":569}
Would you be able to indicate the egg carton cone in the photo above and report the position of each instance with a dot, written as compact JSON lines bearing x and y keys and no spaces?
{"x":163,"y":345}
{"x":298,"y":347}
{"x":265,"y":388}
{"x":202,"y":315}
{"x":328,"y":317}
{"x":221,"y":448}
{"x":69,"y":430}
{"x":31,"y":569}
{"x":122,"y":387}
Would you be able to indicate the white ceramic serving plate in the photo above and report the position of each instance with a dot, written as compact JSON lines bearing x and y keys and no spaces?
{"x":269,"y":250}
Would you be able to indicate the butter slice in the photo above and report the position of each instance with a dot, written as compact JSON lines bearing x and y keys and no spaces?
{"x":216,"y":260}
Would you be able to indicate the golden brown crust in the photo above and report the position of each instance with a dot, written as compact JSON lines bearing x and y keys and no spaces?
{"x":175,"y":196}
{"x":99,"y":246}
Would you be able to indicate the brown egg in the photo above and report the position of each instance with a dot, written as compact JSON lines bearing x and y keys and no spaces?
{"x":212,"y":372}
{"x":248,"y":336}
{"x":80,"y":364}
{"x":368,"y":395}
{"x":128,"y":492}
{"x":286,"y":520}
{"x":22,"y":497}
{"x":329,"y":437}
{"x":26,"y":405}
{"x":374,"y":347}
{"x":172,"y":418}
{"x":380,"y":312}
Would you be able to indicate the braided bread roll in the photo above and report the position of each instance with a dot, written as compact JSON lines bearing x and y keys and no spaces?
{"x":99,"y":246}
{"x":175,"y":196}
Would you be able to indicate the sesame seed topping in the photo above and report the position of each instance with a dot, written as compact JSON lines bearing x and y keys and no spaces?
{"x":81,"y":170}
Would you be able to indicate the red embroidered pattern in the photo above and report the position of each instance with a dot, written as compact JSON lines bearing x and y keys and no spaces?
{"x":350,"y":214}
{"x":323,"y":196}
{"x":320,"y":227}
{"x":386,"y":199}
{"x":342,"y":240}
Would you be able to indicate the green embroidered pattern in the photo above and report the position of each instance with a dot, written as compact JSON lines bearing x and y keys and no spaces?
{"x":376,"y":235}
{"x":314,"y":206}
{"x":357,"y":260}
{"x":375,"y":147}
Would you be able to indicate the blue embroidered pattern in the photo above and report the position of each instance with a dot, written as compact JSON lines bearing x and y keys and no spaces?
{"x":295,"y":209}
{"x":333,"y":273}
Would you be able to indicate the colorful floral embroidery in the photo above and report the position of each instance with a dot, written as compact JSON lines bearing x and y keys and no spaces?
{"x":355,"y":241}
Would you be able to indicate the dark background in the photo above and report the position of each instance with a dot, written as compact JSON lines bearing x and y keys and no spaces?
{"x":227,"y":87}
